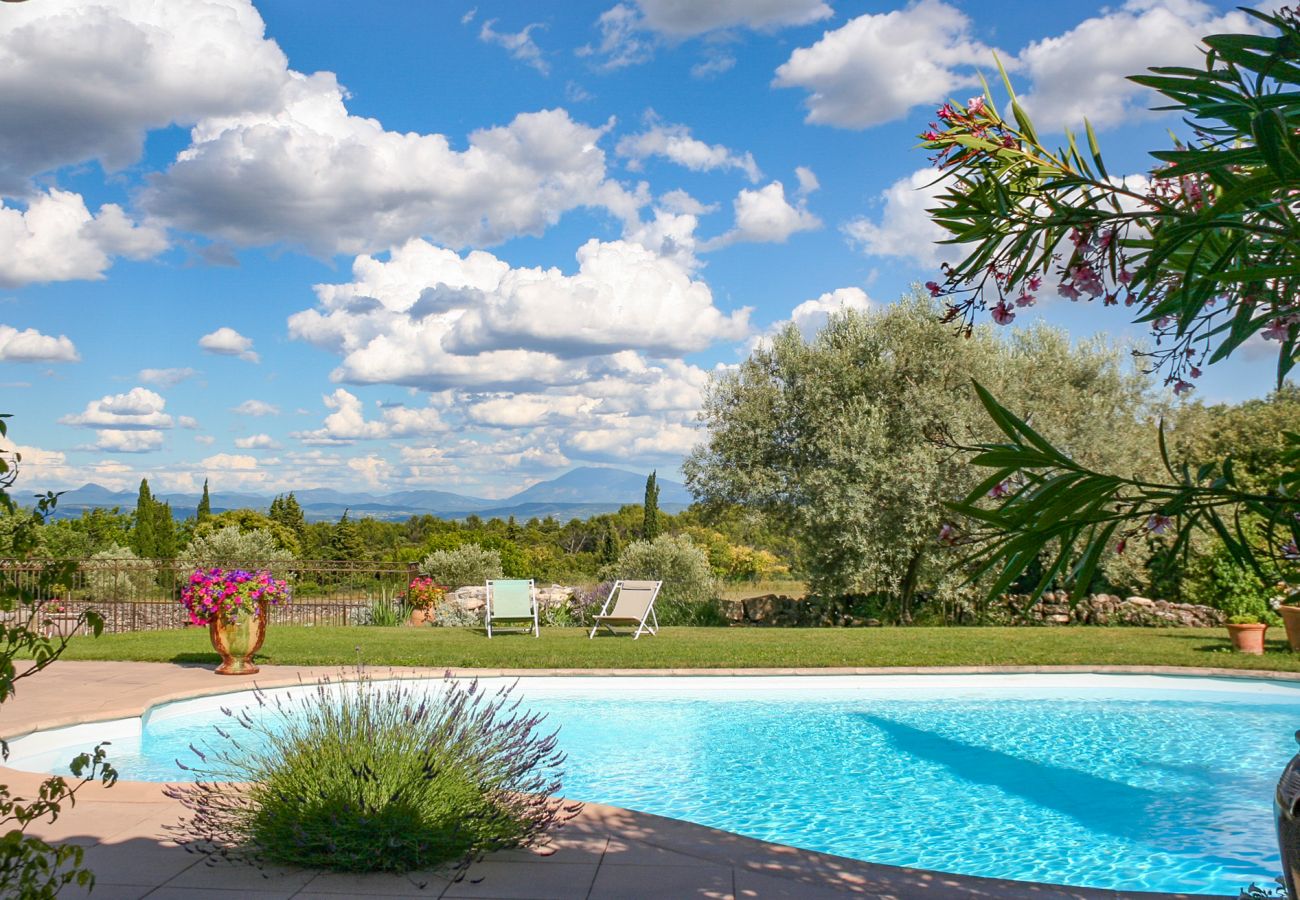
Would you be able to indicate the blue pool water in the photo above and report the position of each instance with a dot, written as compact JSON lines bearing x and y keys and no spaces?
{"x":1126,"y":782}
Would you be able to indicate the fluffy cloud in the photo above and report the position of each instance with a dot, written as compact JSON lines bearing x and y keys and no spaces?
{"x":877,"y":67}
{"x":166,"y":377}
{"x":128,"y":441}
{"x":86,"y":79}
{"x":765,"y":216}
{"x":226,"y":341}
{"x":433,"y":319}
{"x":29,"y":345}
{"x":347,"y":423}
{"x":236,"y":471}
{"x":629,"y":34}
{"x":257,"y":442}
{"x":311,"y":175}
{"x":674,"y":142}
{"x":58,"y":239}
{"x":1083,"y":73}
{"x":811,"y":315}
{"x":905,"y":229}
{"x":139,"y":409}
{"x":256,"y":408}
{"x":520,"y":45}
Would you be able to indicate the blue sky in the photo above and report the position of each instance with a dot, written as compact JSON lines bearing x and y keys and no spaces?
{"x":468,"y":247}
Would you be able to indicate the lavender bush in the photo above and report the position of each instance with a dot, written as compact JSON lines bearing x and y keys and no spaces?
{"x":386,"y":777}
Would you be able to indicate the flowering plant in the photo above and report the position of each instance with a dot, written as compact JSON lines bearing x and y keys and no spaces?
{"x":423,"y":593}
{"x":215,"y":594}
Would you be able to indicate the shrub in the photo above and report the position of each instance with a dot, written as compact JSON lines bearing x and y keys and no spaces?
{"x":586,"y":601}
{"x":460,"y":566}
{"x":1219,"y":581}
{"x":387,"y":778}
{"x":230,"y":546}
{"x":450,"y":614}
{"x":118,"y":574}
{"x":688,"y":589}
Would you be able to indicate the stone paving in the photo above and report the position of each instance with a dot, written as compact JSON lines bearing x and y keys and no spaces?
{"x":604,"y":853}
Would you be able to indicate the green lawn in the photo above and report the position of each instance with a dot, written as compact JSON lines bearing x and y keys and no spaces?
{"x":709,"y":647}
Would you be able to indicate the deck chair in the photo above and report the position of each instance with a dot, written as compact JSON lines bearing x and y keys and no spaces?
{"x":635,"y":606}
{"x":512,"y":601}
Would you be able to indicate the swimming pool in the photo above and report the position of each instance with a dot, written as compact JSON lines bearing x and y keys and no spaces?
{"x":1157,"y":783}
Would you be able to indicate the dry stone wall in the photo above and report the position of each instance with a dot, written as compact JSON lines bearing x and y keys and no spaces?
{"x":1055,"y":609}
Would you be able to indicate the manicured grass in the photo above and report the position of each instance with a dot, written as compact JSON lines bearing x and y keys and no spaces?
{"x":709,"y":648}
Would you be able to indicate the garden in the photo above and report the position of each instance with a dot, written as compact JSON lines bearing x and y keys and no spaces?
{"x":943,"y":493}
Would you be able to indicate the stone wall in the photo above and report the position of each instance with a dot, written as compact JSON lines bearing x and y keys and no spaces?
{"x":474,"y":598}
{"x":1054,"y":609}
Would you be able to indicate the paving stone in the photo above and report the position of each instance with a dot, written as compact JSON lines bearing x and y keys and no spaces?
{"x":660,"y":882}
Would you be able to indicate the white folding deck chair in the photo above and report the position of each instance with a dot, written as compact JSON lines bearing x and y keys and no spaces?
{"x":635,"y":606}
{"x":512,"y":601}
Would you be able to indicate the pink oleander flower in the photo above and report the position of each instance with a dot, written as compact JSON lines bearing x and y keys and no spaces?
{"x":975,"y":105}
{"x":1158,"y":524}
{"x":948,"y":533}
{"x":1125,"y":276}
{"x":1002,"y":313}
{"x":1289,"y":550}
{"x":934,"y":288}
{"x":1279,"y":329}
{"x":1034,"y":284}
{"x":1068,"y":291}
{"x":1182,"y":387}
{"x":1026,"y":299}
{"x":1000,"y":490}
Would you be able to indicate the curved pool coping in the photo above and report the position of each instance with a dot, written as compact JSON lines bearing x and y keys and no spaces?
{"x":133,"y":690}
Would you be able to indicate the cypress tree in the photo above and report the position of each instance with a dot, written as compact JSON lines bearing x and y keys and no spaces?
{"x":650,"y":524}
{"x":204,"y":511}
{"x":164,"y":531}
{"x":143,"y":540}
{"x":346,"y":541}
{"x":609,"y":545}
{"x":286,"y":510}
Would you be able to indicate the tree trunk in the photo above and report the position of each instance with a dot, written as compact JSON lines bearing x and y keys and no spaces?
{"x":908,"y":589}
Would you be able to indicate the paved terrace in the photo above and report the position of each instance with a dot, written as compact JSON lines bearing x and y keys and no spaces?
{"x":604,"y":853}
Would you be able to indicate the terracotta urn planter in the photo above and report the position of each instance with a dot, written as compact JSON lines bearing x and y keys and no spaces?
{"x":1291,"y":619}
{"x":1248,"y":637}
{"x":421,"y":616}
{"x":238,"y":640}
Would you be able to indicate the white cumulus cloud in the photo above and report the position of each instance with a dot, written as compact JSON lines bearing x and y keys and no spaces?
{"x":674,"y":142}
{"x":256,"y":408}
{"x":257,"y":442}
{"x":1083,"y":72}
{"x":136,"y":410}
{"x":766,"y":216}
{"x":87,"y":79}
{"x":905,"y":229}
{"x":56,"y":238}
{"x":29,"y":345}
{"x":347,"y":422}
{"x":876,"y":67}
{"x":311,"y":175}
{"x":128,"y":441}
{"x":433,"y":319}
{"x":226,"y":341}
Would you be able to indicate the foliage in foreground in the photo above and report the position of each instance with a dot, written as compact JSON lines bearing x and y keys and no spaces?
{"x":29,"y":866}
{"x":1205,"y":252}
{"x":389,"y":777}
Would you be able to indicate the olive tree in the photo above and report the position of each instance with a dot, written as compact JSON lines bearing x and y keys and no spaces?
{"x":849,"y":437}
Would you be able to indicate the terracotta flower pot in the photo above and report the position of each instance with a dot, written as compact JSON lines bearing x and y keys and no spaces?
{"x":237,"y":641}
{"x":1248,"y":637}
{"x":421,"y":616}
{"x":1291,"y":619}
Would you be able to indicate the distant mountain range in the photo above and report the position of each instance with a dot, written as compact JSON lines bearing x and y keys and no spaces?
{"x":584,"y":492}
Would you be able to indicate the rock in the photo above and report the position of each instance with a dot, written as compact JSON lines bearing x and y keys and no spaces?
{"x":734,"y":610}
{"x":1141,"y":601}
{"x":762,"y":609}
{"x":1059,"y":619}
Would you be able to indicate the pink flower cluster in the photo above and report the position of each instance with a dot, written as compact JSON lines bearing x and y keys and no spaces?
{"x":215,"y":594}
{"x":424,"y":593}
